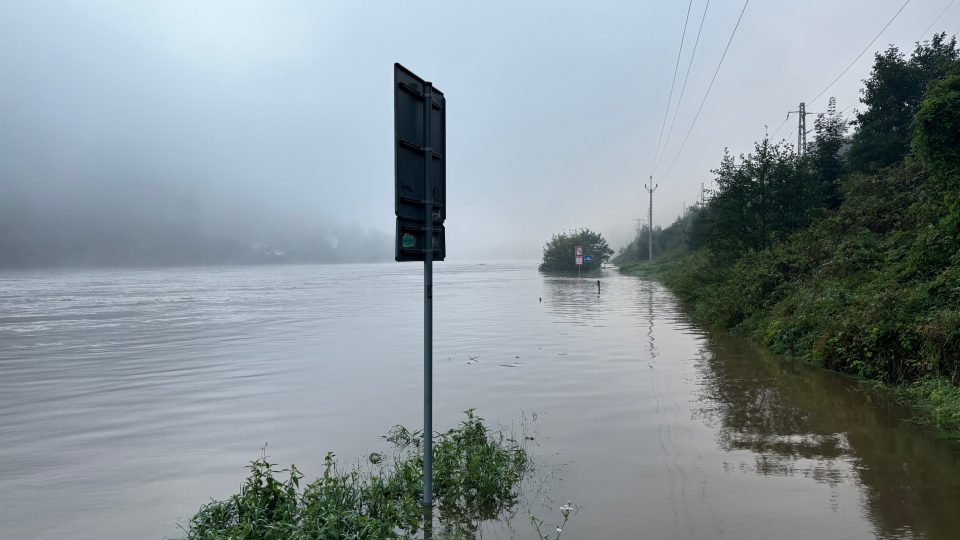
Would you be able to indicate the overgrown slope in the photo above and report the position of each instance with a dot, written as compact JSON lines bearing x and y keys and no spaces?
{"x":847,"y":259}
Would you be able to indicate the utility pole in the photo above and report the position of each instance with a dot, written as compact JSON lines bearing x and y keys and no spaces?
{"x":801,"y":129}
{"x":702,"y":201}
{"x":650,"y":189}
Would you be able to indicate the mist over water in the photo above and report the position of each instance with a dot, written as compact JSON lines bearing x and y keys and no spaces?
{"x":131,"y":397}
{"x":120,"y":220}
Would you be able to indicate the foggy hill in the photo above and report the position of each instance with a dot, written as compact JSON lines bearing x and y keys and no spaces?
{"x":141,"y":224}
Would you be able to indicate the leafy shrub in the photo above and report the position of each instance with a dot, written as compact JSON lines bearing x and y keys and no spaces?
{"x":477,"y":472}
{"x":936,"y":130}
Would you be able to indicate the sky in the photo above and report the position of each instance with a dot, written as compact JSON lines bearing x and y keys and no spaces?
{"x":282,"y":111}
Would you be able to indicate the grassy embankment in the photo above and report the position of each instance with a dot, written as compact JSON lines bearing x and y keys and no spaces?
{"x":847,"y":255}
{"x":870,"y":289}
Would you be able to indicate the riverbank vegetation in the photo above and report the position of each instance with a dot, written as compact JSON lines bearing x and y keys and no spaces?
{"x":477,"y":477}
{"x":559,"y":253}
{"x":848,"y":256}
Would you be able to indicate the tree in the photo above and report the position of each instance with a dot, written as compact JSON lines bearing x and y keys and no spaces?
{"x":936,"y":133}
{"x":827,"y":159}
{"x":672,"y":239}
{"x":757,"y":201}
{"x":893,"y":94}
{"x":558,"y":253}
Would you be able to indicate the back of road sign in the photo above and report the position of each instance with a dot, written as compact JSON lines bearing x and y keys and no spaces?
{"x":413,"y":205}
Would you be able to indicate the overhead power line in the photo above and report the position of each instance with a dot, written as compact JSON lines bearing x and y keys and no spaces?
{"x":676,"y":67}
{"x":709,"y":87}
{"x":683,"y":86}
{"x":865,"y":49}
{"x":927,"y":31}
{"x":774,"y":134}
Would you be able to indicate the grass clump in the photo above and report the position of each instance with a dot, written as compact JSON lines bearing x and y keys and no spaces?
{"x":940,"y":400}
{"x":477,"y":473}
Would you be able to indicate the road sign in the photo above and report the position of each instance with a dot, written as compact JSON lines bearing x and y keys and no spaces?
{"x":419,"y":160}
{"x":420,"y":188}
{"x":588,"y":258}
{"x":579,"y":251}
{"x":411,"y":241}
{"x":578,"y":255}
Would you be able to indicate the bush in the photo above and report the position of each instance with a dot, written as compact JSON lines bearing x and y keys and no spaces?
{"x":559,"y":252}
{"x":477,"y":472}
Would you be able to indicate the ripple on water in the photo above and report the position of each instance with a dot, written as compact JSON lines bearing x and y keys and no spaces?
{"x":128,"y":398}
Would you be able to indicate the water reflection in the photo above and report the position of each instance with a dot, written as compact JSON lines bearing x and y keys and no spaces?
{"x":802,"y":422}
{"x":576,"y":299}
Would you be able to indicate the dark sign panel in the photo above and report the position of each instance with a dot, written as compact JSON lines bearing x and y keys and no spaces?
{"x":413,"y":205}
{"x":411,"y":241}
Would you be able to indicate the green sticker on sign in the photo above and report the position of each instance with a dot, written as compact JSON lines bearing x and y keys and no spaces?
{"x":408,"y":241}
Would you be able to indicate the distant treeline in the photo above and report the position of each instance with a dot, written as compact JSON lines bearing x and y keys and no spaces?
{"x":34,"y":233}
{"x":847,"y":256}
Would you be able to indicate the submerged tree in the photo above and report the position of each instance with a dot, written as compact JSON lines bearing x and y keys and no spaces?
{"x":559,"y":252}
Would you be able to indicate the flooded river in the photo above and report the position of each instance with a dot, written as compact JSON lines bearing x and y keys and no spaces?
{"x":129,"y":398}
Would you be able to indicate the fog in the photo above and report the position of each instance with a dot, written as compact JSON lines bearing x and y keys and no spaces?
{"x":211,"y":132}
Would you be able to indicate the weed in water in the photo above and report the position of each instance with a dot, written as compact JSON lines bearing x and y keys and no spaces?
{"x":477,"y":473}
{"x":537,"y":523}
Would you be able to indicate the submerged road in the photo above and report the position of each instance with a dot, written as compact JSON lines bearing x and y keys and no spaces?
{"x":128,"y":398}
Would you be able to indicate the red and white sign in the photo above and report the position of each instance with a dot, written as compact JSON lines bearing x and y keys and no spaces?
{"x":578,"y":256}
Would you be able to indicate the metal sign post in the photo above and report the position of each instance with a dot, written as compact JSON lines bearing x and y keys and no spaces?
{"x":428,"y":307}
{"x":420,"y":205}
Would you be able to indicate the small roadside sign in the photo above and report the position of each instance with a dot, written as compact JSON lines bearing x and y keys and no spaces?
{"x":578,"y":255}
{"x":588,"y":258}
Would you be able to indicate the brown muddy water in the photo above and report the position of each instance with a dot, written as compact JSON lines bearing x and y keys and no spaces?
{"x":129,"y":398}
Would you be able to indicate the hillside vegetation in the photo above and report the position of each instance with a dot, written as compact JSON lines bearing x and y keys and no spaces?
{"x":847,"y":257}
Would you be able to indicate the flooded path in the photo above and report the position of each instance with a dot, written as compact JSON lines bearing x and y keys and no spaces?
{"x":129,"y":398}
